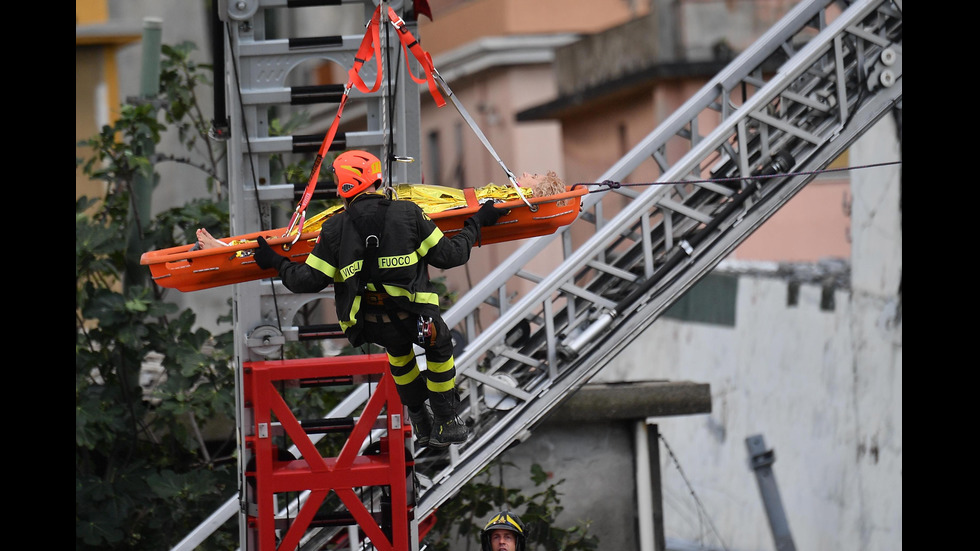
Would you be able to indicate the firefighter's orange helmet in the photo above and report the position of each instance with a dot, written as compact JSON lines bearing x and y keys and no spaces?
{"x":356,"y":171}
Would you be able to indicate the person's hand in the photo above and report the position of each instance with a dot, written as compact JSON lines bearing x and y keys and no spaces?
{"x":488,"y":214}
{"x":267,"y":258}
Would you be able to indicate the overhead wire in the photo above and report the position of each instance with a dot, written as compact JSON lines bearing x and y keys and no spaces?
{"x":612,"y":184}
{"x":386,"y":95}
{"x":697,"y":501}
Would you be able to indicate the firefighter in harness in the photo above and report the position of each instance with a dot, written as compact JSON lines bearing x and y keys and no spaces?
{"x":376,"y":254}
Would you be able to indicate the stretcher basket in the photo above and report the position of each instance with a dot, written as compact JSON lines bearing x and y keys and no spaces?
{"x":187,"y":270}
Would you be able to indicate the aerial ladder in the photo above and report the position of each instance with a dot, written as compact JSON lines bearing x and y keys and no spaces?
{"x":728,"y":159}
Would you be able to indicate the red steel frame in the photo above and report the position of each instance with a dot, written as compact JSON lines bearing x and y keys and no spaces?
{"x":317,"y":474}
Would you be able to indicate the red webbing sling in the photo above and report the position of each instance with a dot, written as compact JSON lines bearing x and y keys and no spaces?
{"x":370,"y":47}
{"x":409,"y":43}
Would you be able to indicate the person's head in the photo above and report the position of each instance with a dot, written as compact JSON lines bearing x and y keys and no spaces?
{"x":534,"y":179}
{"x":356,"y":171}
{"x":544,"y":185}
{"x":504,"y":532}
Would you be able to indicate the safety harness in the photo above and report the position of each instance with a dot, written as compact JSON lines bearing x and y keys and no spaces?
{"x":370,"y":228}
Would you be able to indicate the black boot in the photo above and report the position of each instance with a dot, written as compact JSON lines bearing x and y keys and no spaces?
{"x":447,"y":427}
{"x":421,"y":425}
{"x":448,"y":431}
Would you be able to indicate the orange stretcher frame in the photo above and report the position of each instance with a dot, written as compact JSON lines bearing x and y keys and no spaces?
{"x":186,"y":270}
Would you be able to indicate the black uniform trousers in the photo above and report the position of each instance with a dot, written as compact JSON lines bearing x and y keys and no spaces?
{"x":397,"y":332}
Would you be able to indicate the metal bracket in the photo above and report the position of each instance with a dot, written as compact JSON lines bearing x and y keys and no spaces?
{"x":266,"y":341}
{"x":239,"y":10}
{"x":761,"y":460}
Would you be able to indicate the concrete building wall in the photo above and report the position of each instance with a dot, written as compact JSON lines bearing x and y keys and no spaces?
{"x":457,"y":23}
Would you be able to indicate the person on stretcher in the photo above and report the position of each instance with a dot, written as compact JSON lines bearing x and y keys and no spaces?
{"x":541,"y":185}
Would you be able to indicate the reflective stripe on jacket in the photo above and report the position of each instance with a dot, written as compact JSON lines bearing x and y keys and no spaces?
{"x":410,"y":243}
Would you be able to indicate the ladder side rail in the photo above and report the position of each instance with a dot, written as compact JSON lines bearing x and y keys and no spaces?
{"x":248,"y":212}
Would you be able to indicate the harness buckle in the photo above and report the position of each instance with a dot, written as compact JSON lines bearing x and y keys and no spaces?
{"x":368,"y":239}
{"x":397,"y":20}
{"x":425,"y":329}
{"x":372,"y":298}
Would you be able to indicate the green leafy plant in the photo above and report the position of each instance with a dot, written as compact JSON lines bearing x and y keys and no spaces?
{"x":154,"y":454}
